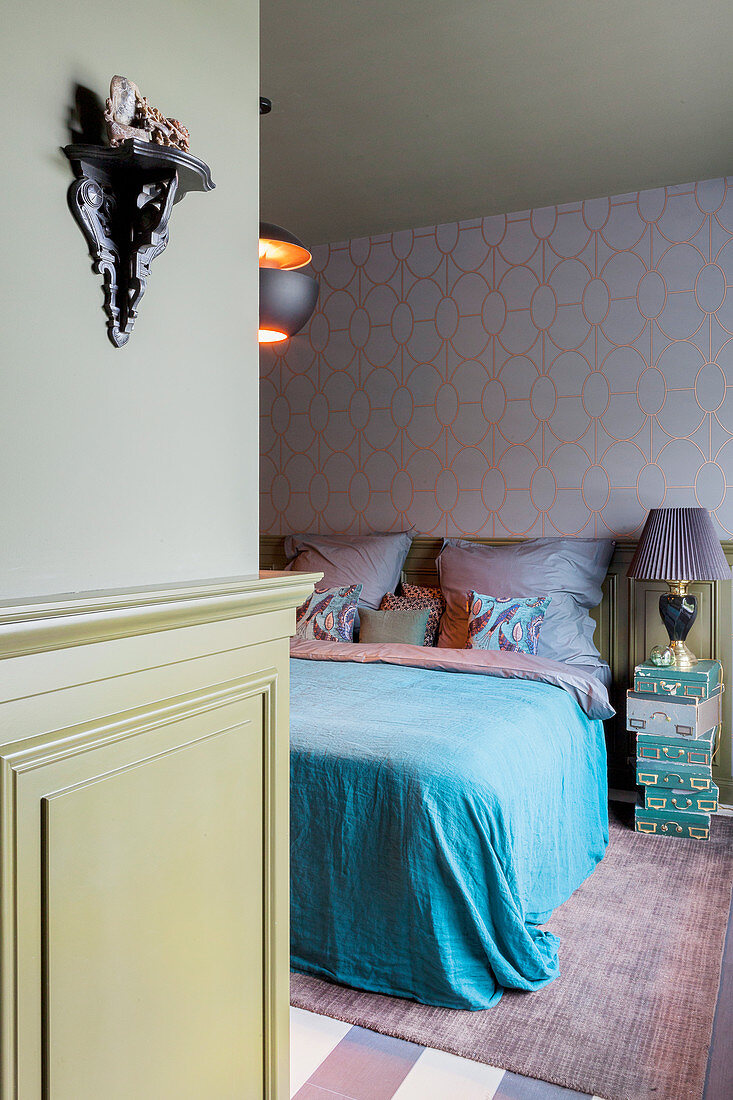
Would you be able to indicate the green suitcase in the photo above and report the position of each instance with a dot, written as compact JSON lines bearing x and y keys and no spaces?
{"x":669,"y":749}
{"x":704,"y":802}
{"x":682,"y":777}
{"x":699,"y":682}
{"x":694,"y":826}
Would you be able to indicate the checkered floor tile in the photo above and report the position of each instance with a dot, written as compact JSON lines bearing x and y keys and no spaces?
{"x":334,"y":1061}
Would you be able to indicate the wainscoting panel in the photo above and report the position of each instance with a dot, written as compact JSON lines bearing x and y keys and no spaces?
{"x":137,"y":860}
{"x":144,"y":843}
{"x":648,"y":629}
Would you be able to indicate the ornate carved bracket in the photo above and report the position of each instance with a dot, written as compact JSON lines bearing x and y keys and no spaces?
{"x":122,"y":200}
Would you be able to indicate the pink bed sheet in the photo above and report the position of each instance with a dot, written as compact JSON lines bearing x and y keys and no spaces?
{"x":588,"y":692}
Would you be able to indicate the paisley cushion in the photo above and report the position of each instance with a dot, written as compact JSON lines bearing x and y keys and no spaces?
{"x":571,"y":570}
{"x":414,"y":598}
{"x":511,"y":623}
{"x":329,"y":615}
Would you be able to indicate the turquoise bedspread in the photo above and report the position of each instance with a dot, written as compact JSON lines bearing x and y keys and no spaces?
{"x":437,"y":818}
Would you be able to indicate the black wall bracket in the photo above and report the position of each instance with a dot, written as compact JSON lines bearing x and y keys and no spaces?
{"x":122,"y":199}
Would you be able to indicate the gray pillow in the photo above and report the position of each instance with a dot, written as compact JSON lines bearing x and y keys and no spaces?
{"x":393,"y":626}
{"x":571,"y":570}
{"x":374,"y":561}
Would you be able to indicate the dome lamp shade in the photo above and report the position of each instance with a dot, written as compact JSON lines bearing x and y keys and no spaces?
{"x":287,"y":296}
{"x":287,"y":299}
{"x":280,"y":248}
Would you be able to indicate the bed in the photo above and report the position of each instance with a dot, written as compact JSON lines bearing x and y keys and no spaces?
{"x":443,"y":803}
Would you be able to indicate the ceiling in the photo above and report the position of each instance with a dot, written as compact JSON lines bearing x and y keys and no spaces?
{"x":415,"y":112}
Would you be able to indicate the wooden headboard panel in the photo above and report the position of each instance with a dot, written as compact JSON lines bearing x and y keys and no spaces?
{"x":628,"y":625}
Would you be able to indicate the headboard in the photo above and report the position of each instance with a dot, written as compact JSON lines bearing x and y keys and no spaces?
{"x":628,"y":625}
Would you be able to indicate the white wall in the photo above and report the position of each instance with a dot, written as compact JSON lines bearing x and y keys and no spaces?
{"x":133,"y":466}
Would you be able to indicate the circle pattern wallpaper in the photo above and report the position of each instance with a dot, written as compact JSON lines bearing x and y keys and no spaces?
{"x":556,"y":371}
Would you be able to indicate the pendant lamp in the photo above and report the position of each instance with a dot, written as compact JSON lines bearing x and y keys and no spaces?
{"x":287,"y":296}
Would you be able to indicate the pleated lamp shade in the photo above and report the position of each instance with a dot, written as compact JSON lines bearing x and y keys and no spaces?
{"x":679,"y":544}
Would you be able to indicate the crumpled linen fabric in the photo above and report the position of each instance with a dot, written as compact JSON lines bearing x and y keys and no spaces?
{"x":437,"y":819}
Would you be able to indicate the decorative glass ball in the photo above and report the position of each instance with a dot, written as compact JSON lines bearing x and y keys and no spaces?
{"x":661,"y":656}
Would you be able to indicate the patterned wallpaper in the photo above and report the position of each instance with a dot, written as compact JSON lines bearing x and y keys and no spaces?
{"x":555,"y":371}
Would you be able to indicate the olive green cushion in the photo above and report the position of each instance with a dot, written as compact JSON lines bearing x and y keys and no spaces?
{"x":393,"y":626}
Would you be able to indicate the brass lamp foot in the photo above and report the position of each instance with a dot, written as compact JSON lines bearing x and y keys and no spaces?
{"x":684,"y":658}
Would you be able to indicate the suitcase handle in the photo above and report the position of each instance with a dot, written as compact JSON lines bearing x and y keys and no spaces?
{"x":671,"y":825}
{"x":679,"y":753}
{"x":676,"y":803}
{"x":661,"y":714}
{"x":670,"y":687}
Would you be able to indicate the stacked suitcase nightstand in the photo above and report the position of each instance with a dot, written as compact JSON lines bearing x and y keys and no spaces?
{"x":676,"y":717}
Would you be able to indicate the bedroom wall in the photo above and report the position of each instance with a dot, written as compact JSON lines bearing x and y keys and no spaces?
{"x":555,"y":371}
{"x":134,"y":466}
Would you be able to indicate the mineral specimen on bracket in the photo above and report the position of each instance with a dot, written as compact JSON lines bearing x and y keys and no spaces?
{"x":129,"y":115}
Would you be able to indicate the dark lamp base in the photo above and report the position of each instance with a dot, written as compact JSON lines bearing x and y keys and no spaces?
{"x":678,"y":610}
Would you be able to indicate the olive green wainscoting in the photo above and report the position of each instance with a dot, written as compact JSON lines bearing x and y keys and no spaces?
{"x":144,"y":842}
{"x":628,"y":625}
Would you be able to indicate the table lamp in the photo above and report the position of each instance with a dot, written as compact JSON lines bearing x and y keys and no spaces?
{"x":679,"y":545}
